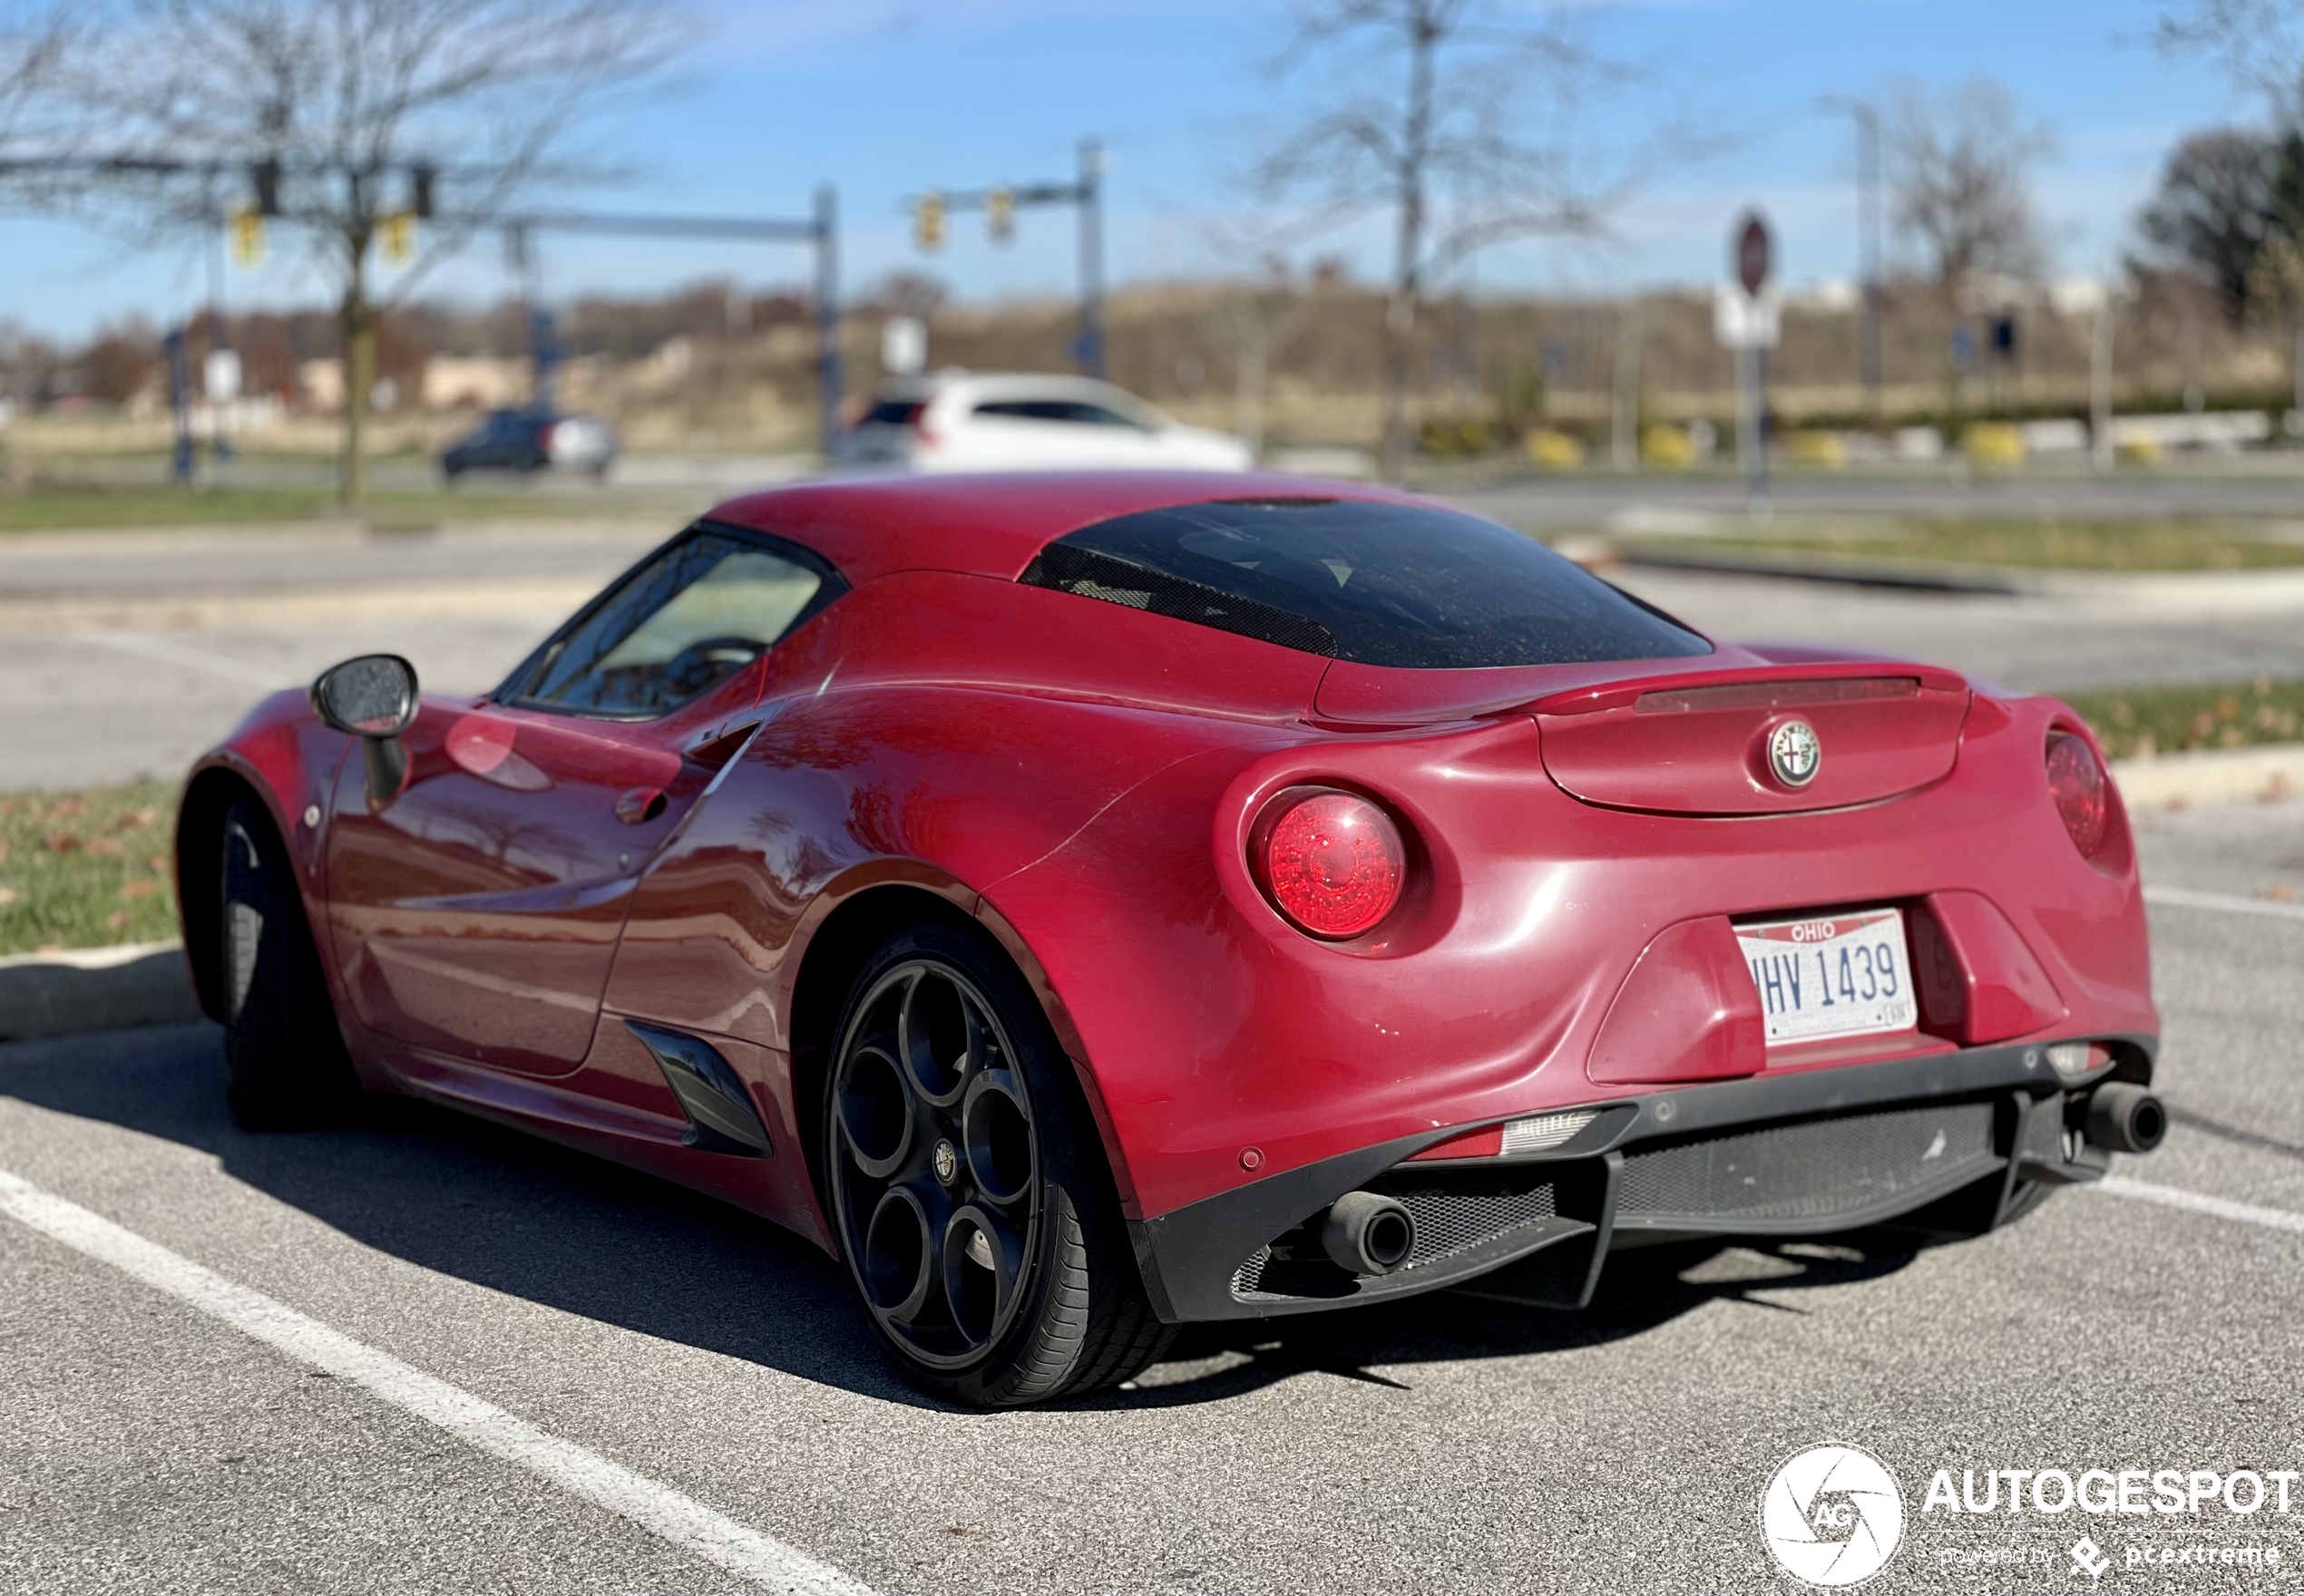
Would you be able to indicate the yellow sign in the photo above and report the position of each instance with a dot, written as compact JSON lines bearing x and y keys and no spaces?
{"x":999,"y":214}
{"x":248,"y":238}
{"x":928,"y":221}
{"x":398,"y":232}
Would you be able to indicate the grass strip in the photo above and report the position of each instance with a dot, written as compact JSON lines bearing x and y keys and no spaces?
{"x":2136,"y":723}
{"x":61,"y":508}
{"x":88,"y":869}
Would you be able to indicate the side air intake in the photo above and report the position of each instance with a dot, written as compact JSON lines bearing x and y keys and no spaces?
{"x":720,"y":1115}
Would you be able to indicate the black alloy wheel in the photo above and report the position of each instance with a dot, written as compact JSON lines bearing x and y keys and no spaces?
{"x":967,"y":1185}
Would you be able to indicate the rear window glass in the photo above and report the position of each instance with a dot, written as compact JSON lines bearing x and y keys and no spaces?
{"x":1406,"y":585}
{"x":892,"y":412}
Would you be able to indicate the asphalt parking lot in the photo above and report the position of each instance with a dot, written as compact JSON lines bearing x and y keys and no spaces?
{"x":695,"y":1359}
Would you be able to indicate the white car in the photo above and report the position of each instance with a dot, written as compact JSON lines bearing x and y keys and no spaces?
{"x":957,"y":421}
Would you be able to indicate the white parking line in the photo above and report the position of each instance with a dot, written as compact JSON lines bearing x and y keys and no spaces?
{"x":657,"y":1508}
{"x":165,"y":652}
{"x":2223,"y":902}
{"x":2247,"y":1213}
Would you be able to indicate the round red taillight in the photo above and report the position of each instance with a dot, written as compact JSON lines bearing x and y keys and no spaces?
{"x":2076,"y":780}
{"x":1333,"y":863}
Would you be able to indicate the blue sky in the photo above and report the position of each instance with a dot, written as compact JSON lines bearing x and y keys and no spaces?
{"x":884,"y":97}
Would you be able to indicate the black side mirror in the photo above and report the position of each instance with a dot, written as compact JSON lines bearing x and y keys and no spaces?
{"x":374,"y":699}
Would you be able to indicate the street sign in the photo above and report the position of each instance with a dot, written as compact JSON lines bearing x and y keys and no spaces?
{"x":903,"y":346}
{"x":1753,"y":253}
{"x":1744,"y":321}
{"x":220,"y":375}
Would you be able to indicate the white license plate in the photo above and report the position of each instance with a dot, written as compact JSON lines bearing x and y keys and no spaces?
{"x":1839,"y":975}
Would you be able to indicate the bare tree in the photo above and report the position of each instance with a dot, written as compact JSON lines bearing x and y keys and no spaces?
{"x":341,"y":109}
{"x":2217,"y":209}
{"x":1959,"y":177}
{"x":2260,"y":43}
{"x":1466,"y":100}
{"x":34,"y":42}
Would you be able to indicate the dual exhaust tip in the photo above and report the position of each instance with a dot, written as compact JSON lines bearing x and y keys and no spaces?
{"x":1368,"y":1234}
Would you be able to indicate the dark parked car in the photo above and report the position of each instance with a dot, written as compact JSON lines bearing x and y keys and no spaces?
{"x":533,"y":440}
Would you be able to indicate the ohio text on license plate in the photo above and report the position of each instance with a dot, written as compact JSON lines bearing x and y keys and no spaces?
{"x":1843,"y":976}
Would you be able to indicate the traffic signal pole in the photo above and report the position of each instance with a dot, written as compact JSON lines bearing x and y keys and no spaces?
{"x":829,"y":378}
{"x":1085,"y":194}
{"x":1090,"y":353}
{"x":820,"y":231}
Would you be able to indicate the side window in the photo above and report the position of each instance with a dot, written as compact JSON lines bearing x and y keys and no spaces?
{"x":1077,"y":412}
{"x":698,"y":613}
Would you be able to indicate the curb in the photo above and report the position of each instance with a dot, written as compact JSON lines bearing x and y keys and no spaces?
{"x":95,"y":989}
{"x":147,"y":984}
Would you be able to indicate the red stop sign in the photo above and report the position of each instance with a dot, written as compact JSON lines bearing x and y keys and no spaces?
{"x":1753,"y":250}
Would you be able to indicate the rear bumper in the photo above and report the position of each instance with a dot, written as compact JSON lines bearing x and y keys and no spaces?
{"x":1942,"y":1142}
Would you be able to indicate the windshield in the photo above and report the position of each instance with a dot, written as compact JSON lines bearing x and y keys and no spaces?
{"x":1408,"y":585}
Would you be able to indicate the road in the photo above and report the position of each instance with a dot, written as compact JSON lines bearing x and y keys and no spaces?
{"x":125,"y":655}
{"x":1445,"y":1444}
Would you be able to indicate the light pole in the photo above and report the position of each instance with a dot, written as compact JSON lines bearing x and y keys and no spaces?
{"x":1867,"y":238}
{"x":1091,"y":204}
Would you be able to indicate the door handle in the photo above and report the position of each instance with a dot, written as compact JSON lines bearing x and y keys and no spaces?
{"x":716,"y":748}
{"x":640,"y":805}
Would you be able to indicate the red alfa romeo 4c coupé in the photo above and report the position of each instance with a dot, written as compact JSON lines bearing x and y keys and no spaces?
{"x":1086,"y":904}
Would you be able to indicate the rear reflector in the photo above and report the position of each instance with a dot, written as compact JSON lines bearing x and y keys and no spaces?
{"x":1545,"y":1132}
{"x":2072,"y":1060}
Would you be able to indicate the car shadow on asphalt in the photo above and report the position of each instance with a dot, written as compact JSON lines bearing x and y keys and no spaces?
{"x":516,"y":1214}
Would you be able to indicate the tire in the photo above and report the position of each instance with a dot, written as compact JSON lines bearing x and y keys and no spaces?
{"x":285,"y":1064}
{"x":967,"y":1186}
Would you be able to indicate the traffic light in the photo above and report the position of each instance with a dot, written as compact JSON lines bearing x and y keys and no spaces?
{"x":248,"y":238}
{"x":265,"y":177}
{"x":398,"y":233}
{"x":928,"y":221}
{"x":999,"y":213}
{"x":421,"y":179}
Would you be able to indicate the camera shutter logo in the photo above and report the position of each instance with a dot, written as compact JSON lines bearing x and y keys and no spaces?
{"x":1832,"y":1517}
{"x":1794,"y":754}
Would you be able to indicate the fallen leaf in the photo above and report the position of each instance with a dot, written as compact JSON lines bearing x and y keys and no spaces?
{"x":62,"y":842}
{"x":7,"y":896}
{"x":116,"y":920}
{"x":143,"y":888}
{"x":2278,"y":893}
{"x":109,"y":846}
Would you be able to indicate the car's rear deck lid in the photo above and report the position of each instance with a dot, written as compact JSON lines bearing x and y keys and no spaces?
{"x":1768,"y":740}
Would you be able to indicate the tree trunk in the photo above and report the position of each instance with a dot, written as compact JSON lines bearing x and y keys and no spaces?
{"x":357,"y":322}
{"x":1399,"y":311}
